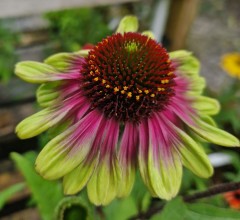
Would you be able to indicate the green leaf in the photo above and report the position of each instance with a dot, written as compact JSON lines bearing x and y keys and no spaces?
{"x":200,"y":211}
{"x":9,"y":192}
{"x":140,"y":193}
{"x":121,"y":209}
{"x":46,"y":194}
{"x":178,"y":210}
{"x":173,"y":210}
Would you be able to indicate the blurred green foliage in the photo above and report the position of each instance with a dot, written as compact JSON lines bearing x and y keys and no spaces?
{"x":71,"y":29}
{"x":178,"y":210}
{"x":8,"y":42}
{"x":230,"y":108}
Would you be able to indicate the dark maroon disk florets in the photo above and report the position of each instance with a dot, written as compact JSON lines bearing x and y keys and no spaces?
{"x":128,"y":77}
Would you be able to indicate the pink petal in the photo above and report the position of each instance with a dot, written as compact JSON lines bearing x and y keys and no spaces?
{"x":128,"y":147}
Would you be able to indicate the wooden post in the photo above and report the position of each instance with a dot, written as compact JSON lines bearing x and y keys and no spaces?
{"x":181,"y":16}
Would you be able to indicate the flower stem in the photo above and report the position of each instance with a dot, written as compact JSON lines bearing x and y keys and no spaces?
{"x":212,"y":191}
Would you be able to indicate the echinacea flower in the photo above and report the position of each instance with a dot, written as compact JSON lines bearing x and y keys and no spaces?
{"x":126,"y":104}
{"x":231,"y":64}
{"x":233,"y":199}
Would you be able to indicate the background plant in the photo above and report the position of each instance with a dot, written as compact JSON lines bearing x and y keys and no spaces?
{"x":8,"y":42}
{"x":71,"y":29}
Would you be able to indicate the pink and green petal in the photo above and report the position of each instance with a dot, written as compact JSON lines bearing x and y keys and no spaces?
{"x":61,"y":61}
{"x":65,"y":62}
{"x":128,"y":158}
{"x":83,"y":53}
{"x":39,"y":122}
{"x":196,"y":86}
{"x":143,"y":155}
{"x":128,"y":24}
{"x":103,"y":185}
{"x":160,"y":164}
{"x":186,"y":63}
{"x":206,"y":106}
{"x":213,"y":134}
{"x":192,"y":154}
{"x":164,"y":162}
{"x":166,"y":176}
{"x":35,"y":72}
{"x":85,"y":169}
{"x":69,"y":149}
{"x":74,"y":181}
{"x":47,"y":94}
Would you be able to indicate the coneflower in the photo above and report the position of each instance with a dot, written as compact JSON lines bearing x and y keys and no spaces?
{"x":126,"y":104}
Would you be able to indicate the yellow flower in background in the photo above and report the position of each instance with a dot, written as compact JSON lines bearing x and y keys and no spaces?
{"x":231,"y":64}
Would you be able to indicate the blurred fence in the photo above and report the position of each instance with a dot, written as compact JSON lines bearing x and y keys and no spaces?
{"x":15,"y":8}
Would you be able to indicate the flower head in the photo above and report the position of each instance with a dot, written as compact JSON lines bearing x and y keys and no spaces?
{"x":233,"y":199}
{"x":125,"y":104}
{"x":231,"y":64}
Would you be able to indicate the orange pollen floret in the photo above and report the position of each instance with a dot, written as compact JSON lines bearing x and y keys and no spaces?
{"x":125,"y":87}
{"x":116,"y":89}
{"x":103,"y":81}
{"x":129,"y":94}
{"x":139,"y":91}
{"x":91,"y":73}
{"x":107,"y":86}
{"x":170,"y":73}
{"x":96,"y":71}
{"x":152,"y":95}
{"x":92,"y":56}
{"x":122,"y":91}
{"x":137,"y":97}
{"x":95,"y":79}
{"x":164,"y":81}
{"x":146,"y":91}
{"x":90,"y":62}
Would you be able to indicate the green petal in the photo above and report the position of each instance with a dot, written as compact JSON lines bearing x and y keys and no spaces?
{"x":197,"y":84}
{"x":149,"y":34}
{"x":39,"y":122}
{"x":35,"y":72}
{"x":143,"y":167}
{"x":166,"y":177}
{"x":103,"y":185}
{"x":180,"y":54}
{"x":63,"y":154}
{"x":209,"y":120}
{"x":47,"y":94}
{"x":61,"y":61}
{"x":213,"y":134}
{"x":127,"y":181}
{"x":82,"y":53}
{"x":188,"y":63}
{"x":128,"y":24}
{"x":206,"y":106}
{"x":206,"y":119}
{"x":193,"y":156}
{"x":74,"y":181}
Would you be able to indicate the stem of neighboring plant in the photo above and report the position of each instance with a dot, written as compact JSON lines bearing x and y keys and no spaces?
{"x":218,"y":189}
{"x":212,"y":191}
